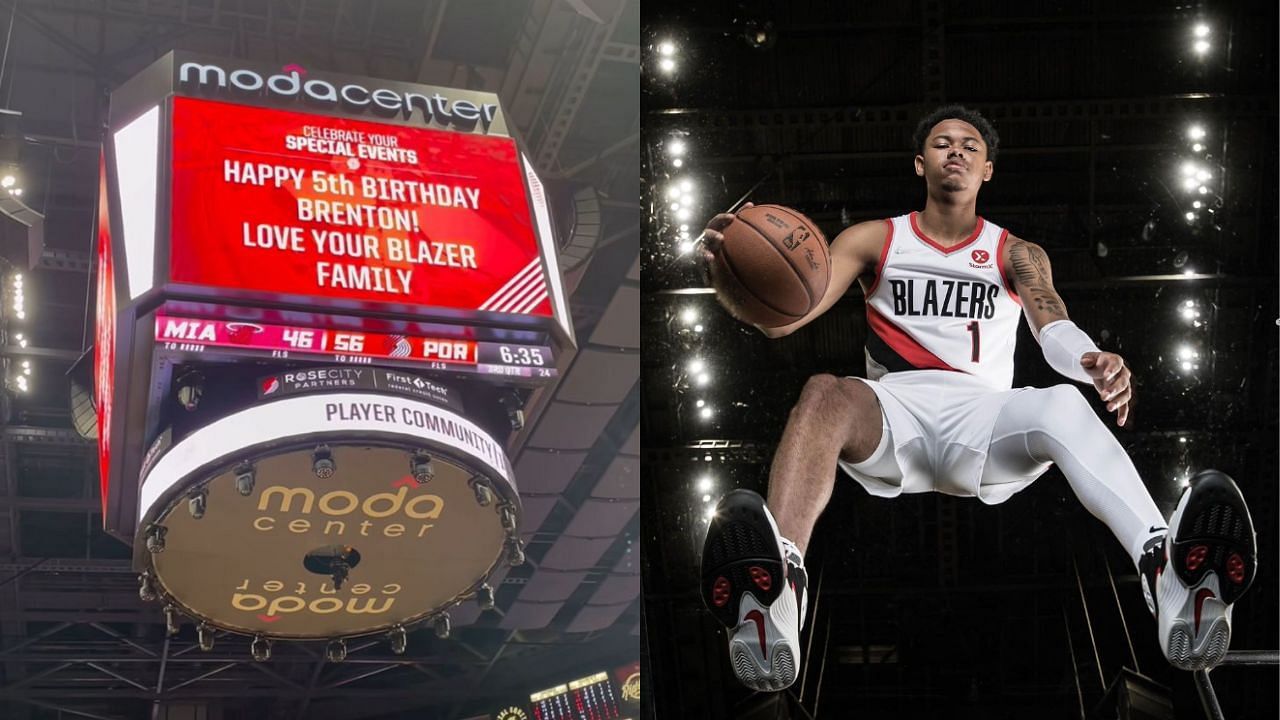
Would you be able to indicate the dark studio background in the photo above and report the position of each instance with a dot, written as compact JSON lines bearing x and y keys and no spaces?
{"x":927,"y":603}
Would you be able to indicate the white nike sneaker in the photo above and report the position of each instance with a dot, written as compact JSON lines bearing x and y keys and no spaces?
{"x":1211,"y":549}
{"x":755,"y":584}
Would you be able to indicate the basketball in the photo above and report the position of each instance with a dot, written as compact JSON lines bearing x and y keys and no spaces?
{"x":773,"y":267}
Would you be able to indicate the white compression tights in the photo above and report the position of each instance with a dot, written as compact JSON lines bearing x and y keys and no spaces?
{"x":1057,"y":425}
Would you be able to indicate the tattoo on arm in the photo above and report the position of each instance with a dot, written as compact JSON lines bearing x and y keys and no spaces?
{"x":1034,"y":278}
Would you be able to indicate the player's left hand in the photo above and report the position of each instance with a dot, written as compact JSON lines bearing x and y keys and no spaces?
{"x":1111,"y":378}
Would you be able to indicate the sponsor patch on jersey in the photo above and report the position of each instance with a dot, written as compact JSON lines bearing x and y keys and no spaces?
{"x":981,"y":259}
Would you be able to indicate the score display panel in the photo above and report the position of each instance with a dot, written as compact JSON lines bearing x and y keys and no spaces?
{"x":231,"y":338}
{"x":589,"y":698}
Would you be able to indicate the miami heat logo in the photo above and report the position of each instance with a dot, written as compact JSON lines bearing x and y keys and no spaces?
{"x":981,"y":256}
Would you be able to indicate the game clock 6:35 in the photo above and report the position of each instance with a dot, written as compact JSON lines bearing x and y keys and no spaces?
{"x":521,"y":355}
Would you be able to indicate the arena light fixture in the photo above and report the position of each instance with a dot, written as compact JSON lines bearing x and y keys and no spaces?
{"x":673,"y":192}
{"x":696,"y":366}
{"x":1188,"y":271}
{"x":675,"y":207}
{"x":1189,"y":168}
{"x":709,"y":512}
{"x":705,"y":484}
{"x":686,"y":245}
{"x":684,"y":213}
{"x":1197,"y":204}
{"x":703,"y":379}
{"x":1189,"y":183}
{"x":8,"y":181}
{"x":1197,"y":147}
{"x":706,"y":498}
{"x":689,"y":315}
{"x":1191,"y":217}
{"x":666,"y":48}
{"x":1201,"y":46}
{"x":697,"y":328}
{"x":1201,"y":30}
{"x":1204,"y":190}
{"x":706,"y":412}
{"x":1196,"y":132}
{"x":678,"y":162}
{"x":1185,"y":352}
{"x":1204,"y":175}
{"x":667,"y":65}
{"x":676,"y":147}
{"x":700,"y":403}
{"x":686,"y":185}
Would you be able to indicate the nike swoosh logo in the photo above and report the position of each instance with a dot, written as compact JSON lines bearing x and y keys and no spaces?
{"x":1154,"y":529}
{"x":756,"y":617}
{"x":1201,"y":596}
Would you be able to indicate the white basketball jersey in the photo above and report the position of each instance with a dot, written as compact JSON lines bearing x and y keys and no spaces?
{"x":943,"y":308}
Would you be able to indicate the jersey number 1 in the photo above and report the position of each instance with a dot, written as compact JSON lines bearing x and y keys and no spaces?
{"x":973,"y":328}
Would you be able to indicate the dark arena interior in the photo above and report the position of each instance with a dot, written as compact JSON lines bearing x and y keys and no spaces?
{"x":76,"y":639}
{"x":1138,"y":147}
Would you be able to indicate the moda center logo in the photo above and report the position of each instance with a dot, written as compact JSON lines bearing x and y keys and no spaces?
{"x":290,"y":84}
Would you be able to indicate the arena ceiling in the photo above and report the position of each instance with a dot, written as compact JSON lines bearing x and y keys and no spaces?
{"x":931,"y":604}
{"x":76,"y":640}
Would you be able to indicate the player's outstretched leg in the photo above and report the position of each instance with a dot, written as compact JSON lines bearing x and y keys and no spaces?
{"x":1191,"y":577}
{"x":754,"y":583}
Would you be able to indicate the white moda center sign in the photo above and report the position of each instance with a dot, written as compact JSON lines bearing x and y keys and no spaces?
{"x":292,"y":83}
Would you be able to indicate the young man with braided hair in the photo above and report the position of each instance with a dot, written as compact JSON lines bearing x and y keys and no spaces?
{"x":945,"y":292}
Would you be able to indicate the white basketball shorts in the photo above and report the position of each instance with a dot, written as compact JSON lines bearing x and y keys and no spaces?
{"x":937,"y":426}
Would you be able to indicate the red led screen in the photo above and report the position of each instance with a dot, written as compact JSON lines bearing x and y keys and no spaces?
{"x":306,"y":205}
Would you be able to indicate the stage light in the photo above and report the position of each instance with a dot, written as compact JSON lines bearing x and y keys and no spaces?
{"x":1197,"y":147}
{"x":667,"y":65}
{"x":1196,"y":132}
{"x":22,"y":343}
{"x":686,"y":246}
{"x":1189,"y":183}
{"x":1188,"y":271}
{"x":21,"y":315}
{"x":17,"y":191}
{"x":26,"y":363}
{"x":689,"y":315}
{"x":1191,"y":217}
{"x":700,"y":403}
{"x":684,"y":213}
{"x":686,"y":185}
{"x":1204,"y":176}
{"x":676,"y":147}
{"x":705,"y":484}
{"x":1182,"y":439}
{"x":688,"y":200}
{"x":26,"y":371}
{"x":1185,"y":352}
{"x":697,"y":328}
{"x":710,"y":513}
{"x":706,"y":412}
{"x":1186,"y":367}
{"x":703,"y":379}
{"x":1201,"y":30}
{"x":677,"y":163}
{"x":8,"y":181}
{"x":674,"y":206}
{"x":666,"y":48}
{"x":684,"y":228}
{"x":1204,"y":190}
{"x":673,"y":192}
{"x":1197,"y":204}
{"x":696,"y":365}
{"x":1189,"y":168}
{"x":706,"y":498}
{"x":1201,"y":46}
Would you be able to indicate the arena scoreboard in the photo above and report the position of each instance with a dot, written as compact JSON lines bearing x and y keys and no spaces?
{"x":261,"y":229}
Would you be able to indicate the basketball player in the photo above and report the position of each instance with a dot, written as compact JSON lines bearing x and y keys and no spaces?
{"x":945,"y":290}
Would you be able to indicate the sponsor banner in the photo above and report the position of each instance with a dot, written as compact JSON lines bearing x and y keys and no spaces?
{"x":316,"y":416}
{"x":305,"y":381}
{"x":191,"y":335}
{"x":628,"y":679}
{"x":298,"y":205}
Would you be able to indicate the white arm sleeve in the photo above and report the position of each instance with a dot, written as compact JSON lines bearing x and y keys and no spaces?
{"x":1064,"y":344}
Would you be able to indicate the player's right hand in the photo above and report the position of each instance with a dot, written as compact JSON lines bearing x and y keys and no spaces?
{"x":712,"y":237}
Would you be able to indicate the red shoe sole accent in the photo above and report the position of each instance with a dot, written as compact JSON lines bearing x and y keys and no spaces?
{"x":761,"y":578}
{"x":720,"y":592}
{"x":1235,"y":568}
{"x":1195,"y":557}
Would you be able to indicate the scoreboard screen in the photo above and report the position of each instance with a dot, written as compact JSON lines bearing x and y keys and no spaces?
{"x":336,"y":210}
{"x":251,"y":339}
{"x":588,"y":698}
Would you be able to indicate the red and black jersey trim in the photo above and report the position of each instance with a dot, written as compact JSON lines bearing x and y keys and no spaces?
{"x":897,"y":351}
